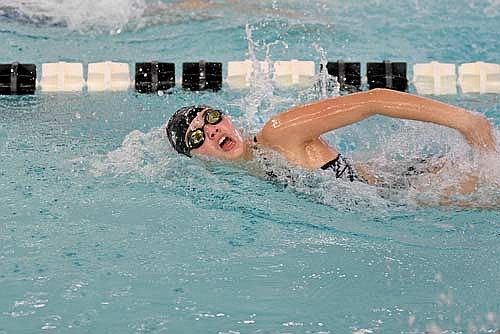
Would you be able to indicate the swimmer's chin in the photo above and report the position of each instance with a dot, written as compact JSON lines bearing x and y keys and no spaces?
{"x":241,"y":152}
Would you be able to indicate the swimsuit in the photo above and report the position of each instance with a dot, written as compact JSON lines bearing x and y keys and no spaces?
{"x":339,"y":166}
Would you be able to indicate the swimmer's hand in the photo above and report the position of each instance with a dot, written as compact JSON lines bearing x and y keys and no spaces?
{"x":480,"y":135}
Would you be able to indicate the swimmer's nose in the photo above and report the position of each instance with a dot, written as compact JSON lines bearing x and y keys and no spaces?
{"x":212,"y":131}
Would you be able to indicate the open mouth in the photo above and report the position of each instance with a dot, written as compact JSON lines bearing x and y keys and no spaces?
{"x":226,"y":144}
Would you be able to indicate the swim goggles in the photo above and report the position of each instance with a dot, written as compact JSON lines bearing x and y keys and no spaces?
{"x":196,"y":138}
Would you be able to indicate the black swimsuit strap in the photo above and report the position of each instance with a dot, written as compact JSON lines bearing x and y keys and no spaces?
{"x":331,"y":163}
{"x":342,"y":168}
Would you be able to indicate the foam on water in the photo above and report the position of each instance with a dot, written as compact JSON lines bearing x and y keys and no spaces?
{"x":493,"y":8}
{"x":139,"y":154}
{"x":76,"y":15}
{"x":115,"y":15}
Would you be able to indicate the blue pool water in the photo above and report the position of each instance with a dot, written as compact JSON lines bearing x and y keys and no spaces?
{"x":103,"y":229}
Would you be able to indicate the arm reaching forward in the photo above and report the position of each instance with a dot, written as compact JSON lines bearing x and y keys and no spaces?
{"x":308,"y":122}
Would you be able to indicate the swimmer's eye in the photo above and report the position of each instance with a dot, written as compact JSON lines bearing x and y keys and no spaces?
{"x":196,"y":138}
{"x":213,"y":117}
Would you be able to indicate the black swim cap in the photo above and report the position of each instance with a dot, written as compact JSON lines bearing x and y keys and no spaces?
{"x":179,"y":124}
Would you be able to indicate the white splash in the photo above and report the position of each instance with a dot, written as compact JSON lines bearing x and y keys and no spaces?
{"x":144,"y":155}
{"x":493,"y":8}
{"x":260,"y":84}
{"x":259,"y":102}
{"x":327,"y":84}
{"x":77,"y":14}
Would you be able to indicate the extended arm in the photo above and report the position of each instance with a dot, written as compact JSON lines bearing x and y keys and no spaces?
{"x":308,"y":122}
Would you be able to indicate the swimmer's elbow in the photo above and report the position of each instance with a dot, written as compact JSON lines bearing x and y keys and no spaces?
{"x":384,"y":92}
{"x":380,"y":101}
{"x":370,"y":103}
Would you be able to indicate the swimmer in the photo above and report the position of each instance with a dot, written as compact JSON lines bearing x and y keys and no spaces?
{"x":295,"y":134}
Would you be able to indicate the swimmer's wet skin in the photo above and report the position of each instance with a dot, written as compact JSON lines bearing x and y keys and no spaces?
{"x":202,"y":130}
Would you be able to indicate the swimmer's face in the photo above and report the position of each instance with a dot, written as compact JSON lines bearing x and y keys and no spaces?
{"x":222,"y":140}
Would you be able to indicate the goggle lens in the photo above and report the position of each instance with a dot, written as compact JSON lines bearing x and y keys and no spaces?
{"x":197,"y":137}
{"x":213,"y":117}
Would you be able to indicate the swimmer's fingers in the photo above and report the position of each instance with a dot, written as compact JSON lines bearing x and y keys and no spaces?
{"x":480,"y":135}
